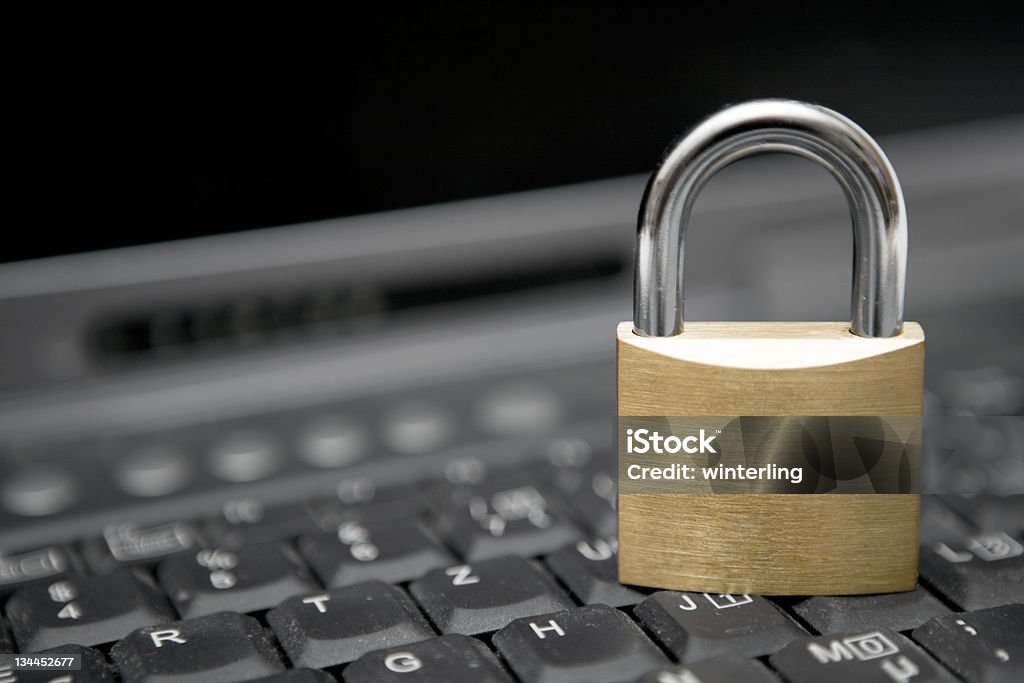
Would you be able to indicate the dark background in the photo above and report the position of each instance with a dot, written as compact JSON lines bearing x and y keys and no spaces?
{"x":131,"y":128}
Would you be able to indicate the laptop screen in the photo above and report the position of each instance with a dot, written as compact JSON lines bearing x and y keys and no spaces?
{"x":186,"y":129}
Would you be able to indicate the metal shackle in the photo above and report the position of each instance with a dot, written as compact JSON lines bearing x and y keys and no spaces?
{"x":837,"y":143}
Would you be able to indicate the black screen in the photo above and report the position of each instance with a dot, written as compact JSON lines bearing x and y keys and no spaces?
{"x":140,"y":128}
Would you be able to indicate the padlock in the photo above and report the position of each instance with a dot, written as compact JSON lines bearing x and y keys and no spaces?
{"x":772,"y":543}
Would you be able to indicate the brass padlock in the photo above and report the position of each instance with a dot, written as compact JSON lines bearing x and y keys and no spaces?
{"x":772,"y":543}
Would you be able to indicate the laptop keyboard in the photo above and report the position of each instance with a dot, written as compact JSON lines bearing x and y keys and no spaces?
{"x":475,"y":566}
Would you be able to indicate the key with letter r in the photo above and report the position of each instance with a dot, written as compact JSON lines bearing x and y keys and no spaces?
{"x":222,"y":647}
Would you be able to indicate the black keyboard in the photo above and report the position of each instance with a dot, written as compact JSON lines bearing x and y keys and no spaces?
{"x":464,"y":534}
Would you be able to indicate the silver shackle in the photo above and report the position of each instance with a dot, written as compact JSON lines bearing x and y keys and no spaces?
{"x":837,"y":143}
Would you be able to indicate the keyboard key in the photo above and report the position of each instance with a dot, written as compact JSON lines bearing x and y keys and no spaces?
{"x":485,"y":596}
{"x":333,"y":441}
{"x":895,"y":611}
{"x":416,"y":427}
{"x":87,"y":610}
{"x":984,"y":646}
{"x":519,"y":408}
{"x":394,"y":551}
{"x":984,"y":570}
{"x":991,"y":513}
{"x":298,"y":676}
{"x":590,"y":570}
{"x":244,"y":521}
{"x":245,"y":455}
{"x":218,"y":647}
{"x":592,"y":644}
{"x":23,"y":569}
{"x":321,"y":631}
{"x":719,"y":670}
{"x":939,"y":523}
{"x":38,"y":491}
{"x":360,"y":499}
{"x":95,"y":668}
{"x":451,"y":658}
{"x":698,"y":626}
{"x":249,"y":579}
{"x":514,"y":517}
{"x":589,"y":486}
{"x":153,"y":470}
{"x":127,"y":544}
{"x":858,"y":657}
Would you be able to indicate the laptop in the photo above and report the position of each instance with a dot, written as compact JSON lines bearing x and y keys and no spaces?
{"x":380,"y":448}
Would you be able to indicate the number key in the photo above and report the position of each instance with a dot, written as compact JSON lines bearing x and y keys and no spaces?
{"x":987,"y":645}
{"x":508,"y":516}
{"x":393,"y":551}
{"x":718,"y":670}
{"x":218,"y":647}
{"x":87,"y":610}
{"x":248,"y":579}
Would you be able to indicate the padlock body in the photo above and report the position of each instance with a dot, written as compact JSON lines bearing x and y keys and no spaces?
{"x":773,"y":544}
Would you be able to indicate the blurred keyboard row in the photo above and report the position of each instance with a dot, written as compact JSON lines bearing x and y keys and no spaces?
{"x":505,"y":418}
